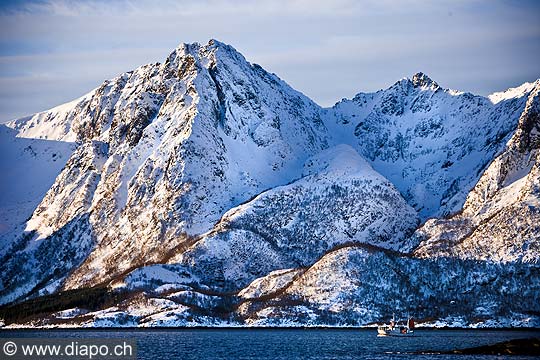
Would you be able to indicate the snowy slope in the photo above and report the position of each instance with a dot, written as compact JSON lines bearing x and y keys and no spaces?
{"x":205,"y":190}
{"x":77,"y":120}
{"x":500,"y":219}
{"x":54,"y":124}
{"x":358,"y":286}
{"x":167,"y":149}
{"x":512,"y":93}
{"x":339,"y":200}
{"x":29,"y":168}
{"x":431,"y":143}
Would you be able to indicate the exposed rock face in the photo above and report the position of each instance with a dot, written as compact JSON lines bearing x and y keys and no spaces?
{"x":421,"y":80}
{"x":500,"y":219}
{"x":339,"y":200}
{"x":432,"y":144}
{"x":211,"y":192}
{"x":182,"y":142}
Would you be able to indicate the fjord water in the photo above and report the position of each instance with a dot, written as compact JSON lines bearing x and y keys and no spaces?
{"x":292,"y":343}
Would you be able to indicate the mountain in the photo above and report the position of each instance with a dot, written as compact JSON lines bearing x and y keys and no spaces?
{"x":338,"y":200}
{"x":431,"y":143}
{"x":162,"y":156}
{"x":206,"y":191}
{"x":500,"y":219}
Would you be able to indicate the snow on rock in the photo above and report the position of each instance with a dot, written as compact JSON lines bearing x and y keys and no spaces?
{"x":340,"y":200}
{"x":500,"y":218}
{"x":275,"y":280}
{"x":54,"y":124}
{"x":431,"y":143}
{"x":205,"y":191}
{"x":357,"y":285}
{"x":72,"y":191}
{"x":181,"y":143}
{"x":511,"y":93}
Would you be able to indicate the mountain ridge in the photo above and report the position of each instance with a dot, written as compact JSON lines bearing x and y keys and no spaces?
{"x":197,"y":179}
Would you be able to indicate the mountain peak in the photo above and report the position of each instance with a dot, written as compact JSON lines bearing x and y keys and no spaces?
{"x":209,"y":51}
{"x":187,"y":48}
{"x":216,"y":43}
{"x":422,"y":80}
{"x":190,"y":48}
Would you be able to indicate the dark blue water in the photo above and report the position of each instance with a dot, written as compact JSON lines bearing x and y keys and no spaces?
{"x":291,"y":343}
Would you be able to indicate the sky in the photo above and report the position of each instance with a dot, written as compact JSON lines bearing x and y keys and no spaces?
{"x":53,"y":51}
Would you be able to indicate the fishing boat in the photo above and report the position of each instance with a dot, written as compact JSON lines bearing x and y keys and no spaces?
{"x":396,"y":328}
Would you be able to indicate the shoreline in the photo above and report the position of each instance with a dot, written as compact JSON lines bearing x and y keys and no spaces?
{"x":258,"y":328}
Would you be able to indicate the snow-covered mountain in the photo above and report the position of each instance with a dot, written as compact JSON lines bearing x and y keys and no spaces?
{"x":338,"y":200}
{"x":500,"y":219}
{"x":166,"y":150}
{"x":432,"y":143}
{"x":205,"y":190}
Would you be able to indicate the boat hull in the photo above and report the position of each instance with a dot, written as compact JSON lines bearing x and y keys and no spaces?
{"x":410,"y":334}
{"x":397,"y":332}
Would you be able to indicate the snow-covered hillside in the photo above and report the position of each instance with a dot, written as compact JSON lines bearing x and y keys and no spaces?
{"x":431,"y":143}
{"x":340,"y":200}
{"x":28,"y":168}
{"x":167,"y":149}
{"x":206,"y":191}
{"x":355,"y":285}
{"x":358,"y":285}
{"x":501,"y":218}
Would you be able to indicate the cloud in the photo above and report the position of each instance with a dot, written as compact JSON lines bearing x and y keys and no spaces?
{"x":327,"y":49}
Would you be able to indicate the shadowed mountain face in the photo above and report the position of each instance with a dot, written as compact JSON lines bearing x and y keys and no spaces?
{"x":29,"y":168}
{"x":500,"y":220}
{"x":432,"y":143}
{"x":216,"y":192}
